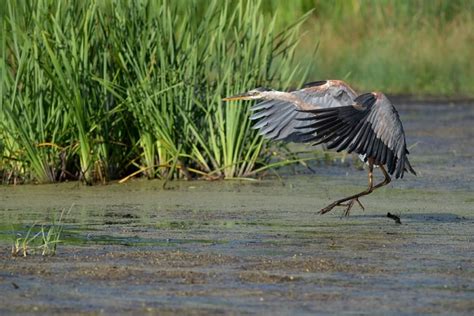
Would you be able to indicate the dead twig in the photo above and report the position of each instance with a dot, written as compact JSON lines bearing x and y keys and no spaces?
{"x":394,"y":217}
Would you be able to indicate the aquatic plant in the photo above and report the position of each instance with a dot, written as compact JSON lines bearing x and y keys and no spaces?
{"x":100,"y":90}
{"x":43,"y":240}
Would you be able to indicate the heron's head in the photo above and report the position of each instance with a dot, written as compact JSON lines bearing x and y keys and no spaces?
{"x":254,"y":94}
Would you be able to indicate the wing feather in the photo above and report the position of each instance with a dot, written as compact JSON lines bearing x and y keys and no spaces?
{"x":343,"y":134}
{"x":370,"y":127}
{"x":281,"y":119}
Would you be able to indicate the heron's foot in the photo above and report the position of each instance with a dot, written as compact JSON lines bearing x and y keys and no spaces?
{"x":349,"y":204}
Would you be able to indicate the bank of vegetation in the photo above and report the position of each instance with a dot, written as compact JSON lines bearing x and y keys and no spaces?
{"x":98,"y":90}
{"x":102,"y":90}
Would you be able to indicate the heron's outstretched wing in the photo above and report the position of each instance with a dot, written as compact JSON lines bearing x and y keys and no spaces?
{"x":278,"y":118}
{"x":370,"y":127}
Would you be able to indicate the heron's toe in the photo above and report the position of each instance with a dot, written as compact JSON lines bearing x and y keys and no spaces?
{"x":327,"y":209}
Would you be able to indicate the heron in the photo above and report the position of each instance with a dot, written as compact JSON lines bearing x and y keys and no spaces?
{"x":331,"y":112}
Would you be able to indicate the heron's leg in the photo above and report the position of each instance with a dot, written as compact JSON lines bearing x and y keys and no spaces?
{"x":355,"y":197}
{"x":381,"y":184}
{"x":385,"y":181}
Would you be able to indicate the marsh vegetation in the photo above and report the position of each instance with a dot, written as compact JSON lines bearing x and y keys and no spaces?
{"x":103,"y":90}
{"x":97,"y":90}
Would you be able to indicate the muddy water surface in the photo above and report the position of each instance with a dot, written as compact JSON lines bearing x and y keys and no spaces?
{"x":258,"y":247}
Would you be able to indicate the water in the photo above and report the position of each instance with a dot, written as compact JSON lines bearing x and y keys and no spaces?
{"x":259,"y":247}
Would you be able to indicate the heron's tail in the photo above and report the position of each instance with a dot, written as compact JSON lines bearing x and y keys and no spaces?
{"x":409,"y":167}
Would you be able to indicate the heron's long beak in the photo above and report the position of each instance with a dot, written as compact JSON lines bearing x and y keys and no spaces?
{"x":242,"y":96}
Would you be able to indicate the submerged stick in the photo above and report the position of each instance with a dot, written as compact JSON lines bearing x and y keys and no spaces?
{"x":394,"y":217}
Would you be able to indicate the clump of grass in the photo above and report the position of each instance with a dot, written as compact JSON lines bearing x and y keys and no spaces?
{"x":40,"y":239}
{"x":184,"y":129}
{"x":100,"y":90}
{"x":21,"y":244}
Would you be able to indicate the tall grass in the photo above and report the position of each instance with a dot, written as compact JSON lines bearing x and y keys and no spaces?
{"x":420,"y":47}
{"x":102,"y":89}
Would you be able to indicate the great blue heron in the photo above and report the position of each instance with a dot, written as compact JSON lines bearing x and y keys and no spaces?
{"x":331,"y":112}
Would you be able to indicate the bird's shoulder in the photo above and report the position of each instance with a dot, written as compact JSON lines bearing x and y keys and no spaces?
{"x":327,"y":93}
{"x":334,"y":87}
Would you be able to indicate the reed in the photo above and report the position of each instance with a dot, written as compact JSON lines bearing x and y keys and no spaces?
{"x":100,"y":90}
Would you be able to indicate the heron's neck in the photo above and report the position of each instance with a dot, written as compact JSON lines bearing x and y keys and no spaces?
{"x":289,"y":97}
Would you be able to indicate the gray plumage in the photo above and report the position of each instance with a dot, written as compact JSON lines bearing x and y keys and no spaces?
{"x":278,"y":116}
{"x":370,"y":127}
